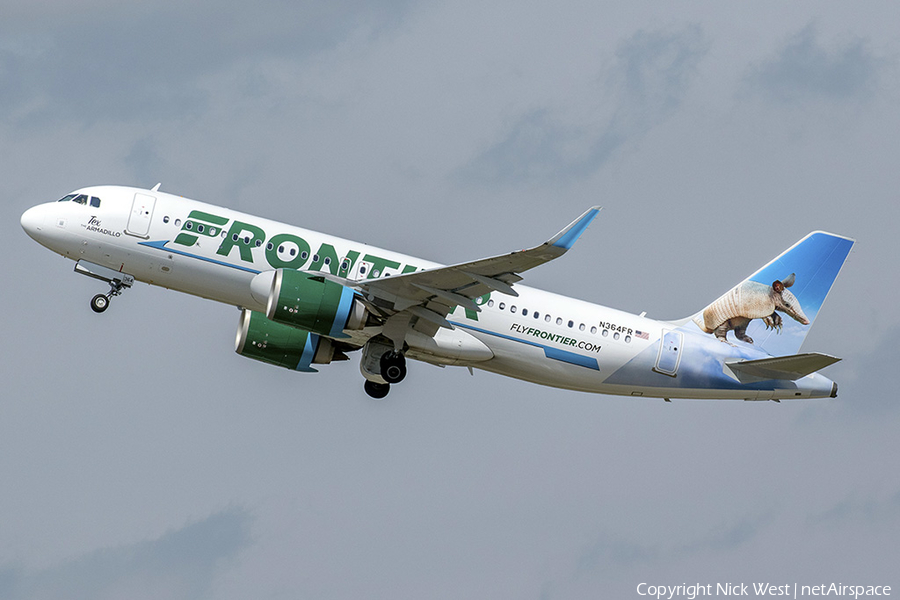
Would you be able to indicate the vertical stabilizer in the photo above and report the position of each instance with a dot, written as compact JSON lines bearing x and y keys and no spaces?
{"x":774,"y":308}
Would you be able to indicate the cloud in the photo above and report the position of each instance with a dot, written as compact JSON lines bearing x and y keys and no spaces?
{"x":856,"y":511}
{"x":151,"y":62}
{"x":804,"y":68}
{"x":866,"y":388}
{"x":650,"y":76}
{"x":609,"y":555}
{"x":180,"y":564}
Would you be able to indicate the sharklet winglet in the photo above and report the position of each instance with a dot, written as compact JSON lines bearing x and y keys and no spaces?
{"x":566,"y":238}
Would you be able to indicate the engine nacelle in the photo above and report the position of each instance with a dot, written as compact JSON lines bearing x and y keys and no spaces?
{"x":314,"y":303}
{"x":282,"y":345}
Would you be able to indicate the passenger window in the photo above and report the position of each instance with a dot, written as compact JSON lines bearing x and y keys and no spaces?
{"x":165,"y":219}
{"x":571,"y":324}
{"x":537,"y":315}
{"x":502,"y":305}
{"x":605,"y":332}
{"x":616,"y":335}
{"x":593,"y":330}
{"x":95,"y":201}
{"x":547,"y":318}
{"x":524,"y":312}
{"x":627,"y":338}
{"x":512,"y":308}
{"x":581,"y":327}
{"x":559,"y":320}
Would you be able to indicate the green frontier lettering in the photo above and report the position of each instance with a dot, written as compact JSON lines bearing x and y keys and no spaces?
{"x":199,"y":223}
{"x":246,"y":237}
{"x":472,"y":314}
{"x":326,"y":251}
{"x":274,"y":252}
{"x":284,"y":250}
{"x":378,"y":265}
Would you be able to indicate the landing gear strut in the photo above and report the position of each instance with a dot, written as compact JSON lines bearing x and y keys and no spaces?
{"x":117,"y":281}
{"x":382,"y":366}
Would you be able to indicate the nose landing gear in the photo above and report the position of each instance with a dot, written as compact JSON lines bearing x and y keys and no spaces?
{"x":99,"y":303}
{"x":117,"y":281}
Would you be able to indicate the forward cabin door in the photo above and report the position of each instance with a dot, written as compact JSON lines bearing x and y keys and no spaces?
{"x":141,"y":215}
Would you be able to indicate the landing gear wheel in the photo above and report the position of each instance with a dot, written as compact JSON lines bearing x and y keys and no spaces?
{"x":377,"y":390}
{"x":99,"y":303}
{"x":393,"y":367}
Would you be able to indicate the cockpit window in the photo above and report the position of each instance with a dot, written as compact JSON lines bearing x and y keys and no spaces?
{"x":81,"y":199}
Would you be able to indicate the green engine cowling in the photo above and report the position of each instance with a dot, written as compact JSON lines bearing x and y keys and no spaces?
{"x":281,"y":345}
{"x":313,"y":303}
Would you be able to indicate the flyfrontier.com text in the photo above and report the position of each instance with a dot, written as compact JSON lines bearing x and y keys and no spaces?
{"x":787,"y":590}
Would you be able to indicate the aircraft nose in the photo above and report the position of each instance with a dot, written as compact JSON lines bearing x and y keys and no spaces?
{"x":33,"y":220}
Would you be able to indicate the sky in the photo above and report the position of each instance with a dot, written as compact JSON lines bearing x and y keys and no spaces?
{"x":140,"y":457}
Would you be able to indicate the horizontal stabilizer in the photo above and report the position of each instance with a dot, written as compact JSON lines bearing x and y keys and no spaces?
{"x":793,"y":367}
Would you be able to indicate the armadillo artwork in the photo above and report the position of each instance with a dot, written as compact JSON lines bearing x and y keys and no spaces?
{"x":747,"y":301}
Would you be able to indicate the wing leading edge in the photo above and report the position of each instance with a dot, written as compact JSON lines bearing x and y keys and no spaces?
{"x":431,"y":294}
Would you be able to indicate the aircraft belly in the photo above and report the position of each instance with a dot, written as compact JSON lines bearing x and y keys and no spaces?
{"x":184,"y":274}
{"x":222,"y":284}
{"x":531,"y":363}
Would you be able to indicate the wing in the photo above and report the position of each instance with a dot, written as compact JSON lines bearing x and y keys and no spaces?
{"x":423,"y":299}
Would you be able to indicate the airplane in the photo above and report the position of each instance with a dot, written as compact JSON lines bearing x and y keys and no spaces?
{"x":307,"y":299}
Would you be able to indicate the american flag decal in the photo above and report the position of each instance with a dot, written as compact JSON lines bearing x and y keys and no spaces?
{"x":642,"y":334}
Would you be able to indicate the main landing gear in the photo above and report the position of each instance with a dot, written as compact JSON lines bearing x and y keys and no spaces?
{"x":117,"y":281}
{"x":377,"y":390}
{"x":381,"y":365}
{"x":393,"y":367}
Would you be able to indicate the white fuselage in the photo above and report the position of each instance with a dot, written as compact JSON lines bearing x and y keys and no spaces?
{"x":538,"y":336}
